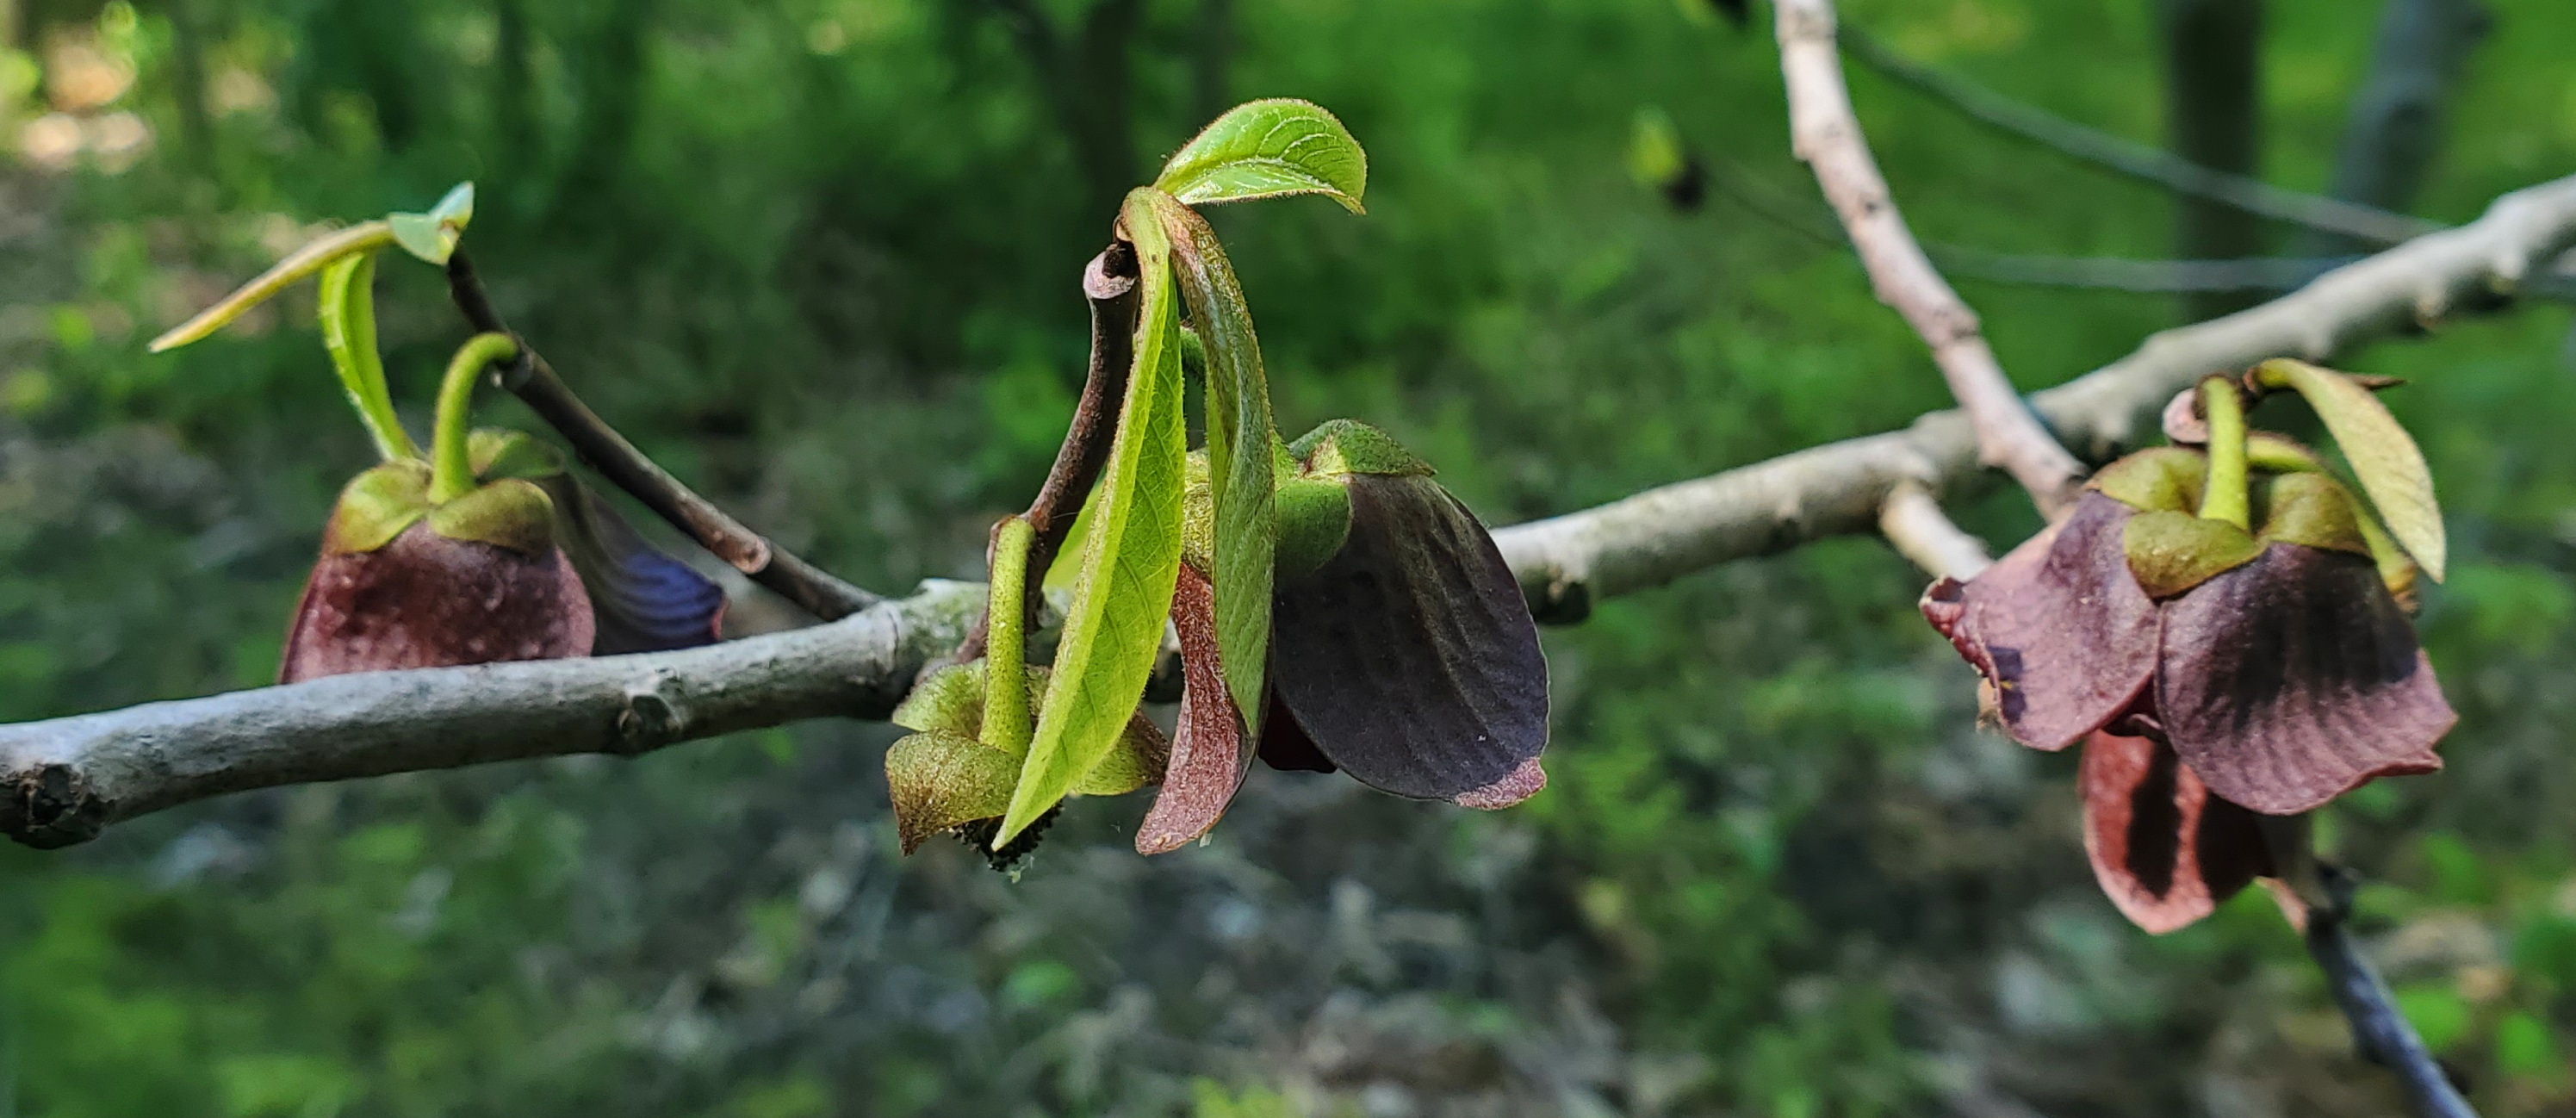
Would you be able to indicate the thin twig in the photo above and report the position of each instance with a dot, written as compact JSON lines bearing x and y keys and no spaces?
{"x":2136,"y":160}
{"x":1109,"y":286}
{"x":601,"y":448}
{"x":2379,"y":1030}
{"x":1916,"y":527}
{"x":2088,"y":273}
{"x":1827,"y":136}
{"x":1567,"y":563}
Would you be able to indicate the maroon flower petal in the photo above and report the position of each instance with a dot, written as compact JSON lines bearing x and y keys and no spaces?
{"x":2293,"y":679}
{"x":2164,"y":849}
{"x":2058,"y":627}
{"x":1209,"y":758}
{"x":426,"y":601}
{"x":1410,"y":657}
{"x":645,"y":600}
{"x":1284,"y":744}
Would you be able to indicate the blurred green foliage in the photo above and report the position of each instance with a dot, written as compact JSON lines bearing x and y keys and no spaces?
{"x":819,"y":257}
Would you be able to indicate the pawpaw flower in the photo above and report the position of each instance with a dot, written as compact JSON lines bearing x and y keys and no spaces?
{"x":485,"y":549}
{"x":2225,"y":634}
{"x":1402,"y":650}
{"x":528,"y":564}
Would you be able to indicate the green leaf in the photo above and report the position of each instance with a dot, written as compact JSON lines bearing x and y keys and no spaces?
{"x":366,"y":237}
{"x":2384,"y":458}
{"x":432,"y":236}
{"x":1265,"y":149}
{"x":1238,"y":441}
{"x":349,"y":332}
{"x":1130,"y":559}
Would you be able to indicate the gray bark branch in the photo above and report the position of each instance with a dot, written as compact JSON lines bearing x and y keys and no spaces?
{"x":65,"y":779}
{"x":1827,"y":135}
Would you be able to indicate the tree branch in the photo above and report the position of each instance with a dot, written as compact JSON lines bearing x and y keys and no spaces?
{"x":2135,"y":160}
{"x":63,"y":780}
{"x":2398,"y":115}
{"x":1827,"y":136}
{"x":601,"y":448}
{"x":1569,"y":562}
{"x":2379,"y":1030}
{"x":1916,"y":527}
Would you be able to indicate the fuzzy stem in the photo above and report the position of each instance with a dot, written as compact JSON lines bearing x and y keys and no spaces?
{"x":451,"y":470}
{"x":2225,"y":497}
{"x":1006,"y":689}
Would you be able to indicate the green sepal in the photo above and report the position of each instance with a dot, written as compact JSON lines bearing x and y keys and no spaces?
{"x":2171,"y":552}
{"x":376,"y":506}
{"x":2383,"y":456}
{"x":951,"y":701}
{"x":498,"y":452}
{"x":433,"y":236}
{"x":2308,"y":509}
{"x":1314,"y":521}
{"x":2158,"y":479}
{"x":1198,"y":514}
{"x":939,"y":779}
{"x":1343,"y":447}
{"x":512,"y":513}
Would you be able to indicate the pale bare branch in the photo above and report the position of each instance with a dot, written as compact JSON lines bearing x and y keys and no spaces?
{"x":1826,"y":134}
{"x":1915,"y":526}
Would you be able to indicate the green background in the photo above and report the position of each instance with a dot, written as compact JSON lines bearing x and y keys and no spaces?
{"x":820,"y":258}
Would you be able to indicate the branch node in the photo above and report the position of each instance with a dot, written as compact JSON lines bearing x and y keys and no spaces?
{"x":51,"y":806}
{"x":654,"y":715}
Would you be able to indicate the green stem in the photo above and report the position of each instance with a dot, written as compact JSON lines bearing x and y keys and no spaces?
{"x":2225,"y":497}
{"x":451,"y":469}
{"x":2274,"y":454}
{"x":1006,"y":690}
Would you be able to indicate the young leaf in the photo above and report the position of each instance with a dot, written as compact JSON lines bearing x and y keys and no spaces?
{"x":2385,"y":459}
{"x":941,"y":778}
{"x":1238,"y":440}
{"x":1265,"y":149}
{"x":1130,"y":559}
{"x":349,"y":332}
{"x":365,"y":237}
{"x":432,"y":236}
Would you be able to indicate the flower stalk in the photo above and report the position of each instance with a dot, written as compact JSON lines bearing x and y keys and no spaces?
{"x":451,"y":464}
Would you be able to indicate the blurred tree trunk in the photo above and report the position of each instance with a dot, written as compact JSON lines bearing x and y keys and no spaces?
{"x":1089,"y":85}
{"x":513,"y":124}
{"x":8,"y":24}
{"x":2214,"y":117}
{"x":2397,"y":122}
{"x":1212,"y":93}
{"x":611,"y":81}
{"x":188,"y":34}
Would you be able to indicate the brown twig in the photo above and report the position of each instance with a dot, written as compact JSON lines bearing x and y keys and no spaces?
{"x":1827,"y":136}
{"x":2368,"y":224}
{"x":1109,"y":284}
{"x":601,"y":448}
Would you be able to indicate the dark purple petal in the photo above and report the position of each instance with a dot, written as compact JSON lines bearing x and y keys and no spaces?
{"x":1410,"y":658}
{"x":2293,"y":679}
{"x":426,"y":601}
{"x":2058,"y":627}
{"x":1209,"y":758}
{"x":1284,"y":744}
{"x":2165,"y":850}
{"x":646,"y":601}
